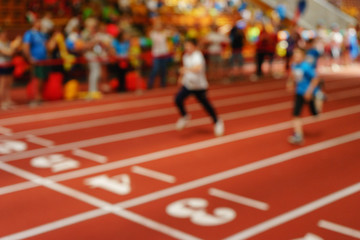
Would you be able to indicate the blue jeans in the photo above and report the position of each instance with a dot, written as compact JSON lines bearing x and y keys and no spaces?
{"x":159,"y":67}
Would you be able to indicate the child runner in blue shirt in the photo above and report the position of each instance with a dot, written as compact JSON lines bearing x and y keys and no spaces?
{"x":306,"y":86}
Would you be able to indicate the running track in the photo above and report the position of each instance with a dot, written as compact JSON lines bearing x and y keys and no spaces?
{"x":117,"y":169}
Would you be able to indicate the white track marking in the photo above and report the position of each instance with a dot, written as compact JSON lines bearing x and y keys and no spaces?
{"x":56,"y":225}
{"x":153,"y":174}
{"x":155,"y":225}
{"x":339,"y":229}
{"x":154,"y":130}
{"x":129,"y":104}
{"x":187,"y":186}
{"x":238,"y":199}
{"x":17,"y":187}
{"x":200,"y":145}
{"x":145,"y":115}
{"x":89,"y":155}
{"x":191,"y":147}
{"x":6,"y":131}
{"x":296,"y":213}
{"x":39,"y":141}
{"x":167,"y":111}
{"x":119,"y":106}
{"x":96,"y":202}
{"x":242,"y":170}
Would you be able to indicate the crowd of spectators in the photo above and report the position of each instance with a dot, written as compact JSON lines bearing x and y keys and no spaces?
{"x":108,"y":45}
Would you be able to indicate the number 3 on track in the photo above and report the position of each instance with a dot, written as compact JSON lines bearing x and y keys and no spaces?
{"x":195,"y":210}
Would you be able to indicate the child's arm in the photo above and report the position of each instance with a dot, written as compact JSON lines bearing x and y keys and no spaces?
{"x":309,"y":92}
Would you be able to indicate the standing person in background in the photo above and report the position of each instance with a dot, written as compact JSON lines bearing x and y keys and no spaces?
{"x":7,"y":50}
{"x":160,"y":53}
{"x":293,"y":42}
{"x":336,"y":44}
{"x":237,"y":39}
{"x":193,"y":82}
{"x":92,"y":50}
{"x":214,"y":40}
{"x":35,"y":50}
{"x":265,"y":47}
{"x":121,"y":46}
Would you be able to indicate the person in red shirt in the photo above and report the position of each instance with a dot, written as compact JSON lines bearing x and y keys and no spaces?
{"x":265,"y":47}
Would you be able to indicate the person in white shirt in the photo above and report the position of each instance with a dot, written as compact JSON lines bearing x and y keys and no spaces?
{"x":215,"y":40}
{"x":193,"y":81}
{"x":160,"y":53}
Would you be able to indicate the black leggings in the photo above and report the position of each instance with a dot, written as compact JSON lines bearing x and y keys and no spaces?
{"x":299,"y":103}
{"x":200,"y":96}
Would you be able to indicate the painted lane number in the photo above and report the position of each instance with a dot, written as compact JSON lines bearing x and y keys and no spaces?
{"x":195,"y":210}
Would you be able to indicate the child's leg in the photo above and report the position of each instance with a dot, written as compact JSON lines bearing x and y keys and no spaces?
{"x":7,"y":90}
{"x":2,"y":88}
{"x":201,"y":97}
{"x":180,"y":98}
{"x":297,"y":137}
{"x":298,"y":129}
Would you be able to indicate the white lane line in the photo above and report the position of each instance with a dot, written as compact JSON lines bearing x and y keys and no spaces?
{"x":339,"y":229}
{"x":296,"y":213}
{"x":101,"y":204}
{"x":201,"y":145}
{"x":189,"y":185}
{"x":39,"y":140}
{"x":148,"y":114}
{"x":155,"y":225}
{"x":168,"y":111}
{"x":6,"y":131}
{"x":238,"y":199}
{"x":132,"y":104}
{"x":242,"y":170}
{"x":89,"y":155}
{"x":55,"y":225}
{"x":121,"y":105}
{"x":195,"y":146}
{"x":125,"y":136}
{"x":153,"y":174}
{"x":17,"y":187}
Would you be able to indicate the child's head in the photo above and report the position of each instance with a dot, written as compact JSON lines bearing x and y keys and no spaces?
{"x":190,"y":45}
{"x":299,"y":55}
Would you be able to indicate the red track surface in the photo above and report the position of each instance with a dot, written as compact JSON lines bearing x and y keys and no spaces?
{"x":283,"y":192}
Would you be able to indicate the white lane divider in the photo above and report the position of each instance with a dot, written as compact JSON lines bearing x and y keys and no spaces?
{"x":238,"y":199}
{"x":5,"y":131}
{"x":89,"y":155}
{"x":39,"y":140}
{"x":296,"y":213}
{"x":153,"y":174}
{"x":339,"y":229}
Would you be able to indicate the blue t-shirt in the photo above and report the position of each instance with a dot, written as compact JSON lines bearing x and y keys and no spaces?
{"x":304,"y":73}
{"x":312,"y":57}
{"x":121,"y":48}
{"x":37,"y":42}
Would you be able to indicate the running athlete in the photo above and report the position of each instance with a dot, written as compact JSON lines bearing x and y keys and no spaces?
{"x":193,"y":82}
{"x":306,"y":87}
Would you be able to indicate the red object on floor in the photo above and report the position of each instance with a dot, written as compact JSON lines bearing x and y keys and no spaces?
{"x":32,"y":88}
{"x":53,"y":89}
{"x":134,"y":81}
{"x":114,"y":84}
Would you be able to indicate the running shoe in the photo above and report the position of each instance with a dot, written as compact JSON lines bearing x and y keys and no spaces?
{"x":182,"y":122}
{"x":219,"y":128}
{"x":296,"y":139}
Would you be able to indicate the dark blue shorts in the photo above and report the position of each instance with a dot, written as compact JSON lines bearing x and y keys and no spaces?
{"x":6,"y":70}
